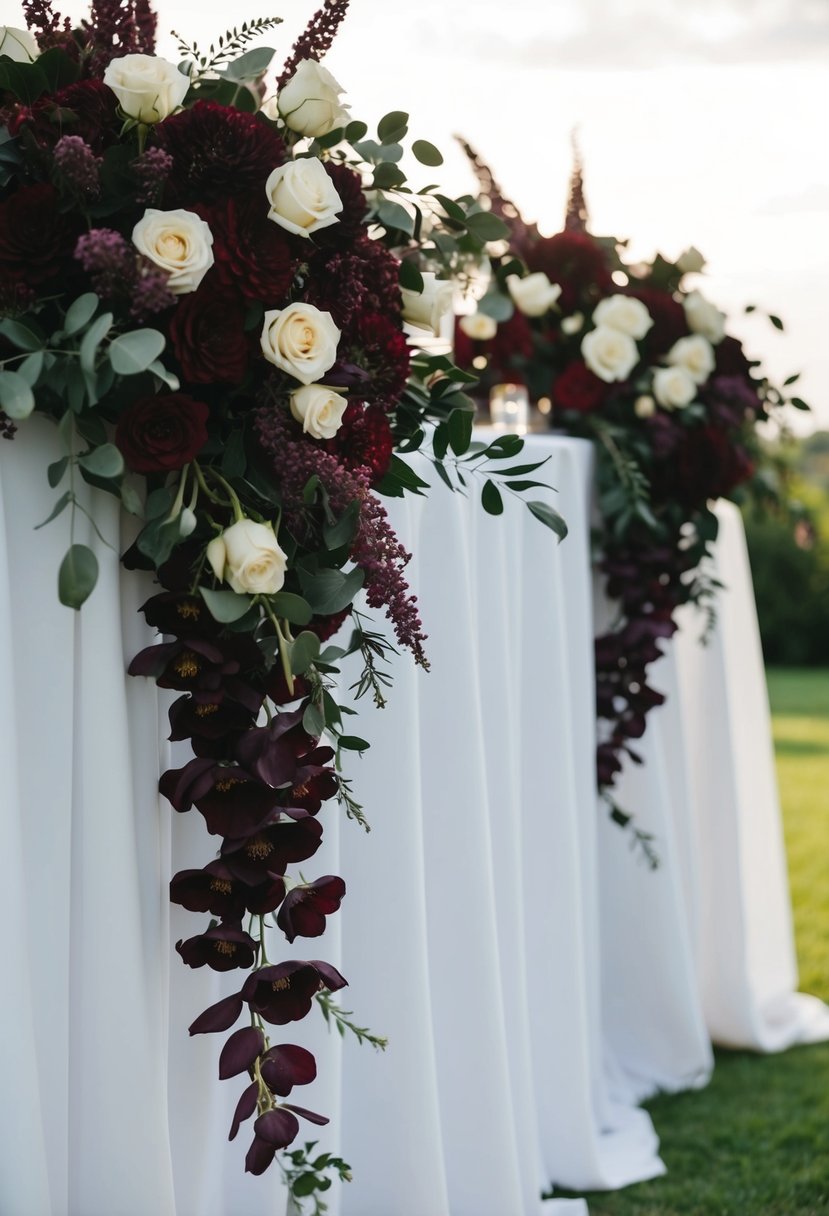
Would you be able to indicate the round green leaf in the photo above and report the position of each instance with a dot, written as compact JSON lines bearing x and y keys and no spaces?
{"x":16,"y":396}
{"x":491,"y":499}
{"x":426,"y":153}
{"x":134,"y":352}
{"x":80,"y":312}
{"x":77,"y":576}
{"x":486,"y":226}
{"x":304,"y":651}
{"x":104,"y":461}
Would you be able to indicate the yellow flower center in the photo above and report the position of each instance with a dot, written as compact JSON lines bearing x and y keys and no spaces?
{"x":187,"y":665}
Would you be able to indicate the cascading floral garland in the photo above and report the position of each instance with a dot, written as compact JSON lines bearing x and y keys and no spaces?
{"x":631,"y":358}
{"x":277,"y":252}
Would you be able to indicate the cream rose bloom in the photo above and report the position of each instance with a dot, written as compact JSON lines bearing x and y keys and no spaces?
{"x":478,"y":326}
{"x":148,"y":88}
{"x":300,"y":340}
{"x":180,"y":242}
{"x":673,"y":388}
{"x":310,"y":102}
{"x":302,"y":197}
{"x":644,"y":406}
{"x":320,"y":410}
{"x":573,"y":323}
{"x":704,"y":318}
{"x":610,"y":354}
{"x":18,"y":45}
{"x":624,"y":313}
{"x":426,"y":309}
{"x":696,"y":355}
{"x":534,"y":294}
{"x":691,"y":261}
{"x":247,"y":556}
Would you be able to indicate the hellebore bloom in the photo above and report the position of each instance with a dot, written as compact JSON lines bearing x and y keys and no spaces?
{"x":236,"y":804}
{"x":222,"y":948}
{"x":180,"y":615}
{"x":283,"y":992}
{"x":208,"y":716}
{"x":305,"y":908}
{"x":216,"y":890}
{"x":274,"y":1130}
{"x":285,"y":1066}
{"x":266,"y":854}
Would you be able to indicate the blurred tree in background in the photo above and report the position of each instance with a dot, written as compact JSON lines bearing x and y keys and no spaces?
{"x":789,"y":554}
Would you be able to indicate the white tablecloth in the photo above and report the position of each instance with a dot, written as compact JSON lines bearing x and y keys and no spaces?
{"x":532,"y":978}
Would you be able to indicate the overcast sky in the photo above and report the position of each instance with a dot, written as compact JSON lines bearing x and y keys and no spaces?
{"x":701,"y":122}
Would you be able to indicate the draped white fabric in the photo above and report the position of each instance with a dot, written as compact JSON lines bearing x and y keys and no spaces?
{"x":533,"y":979}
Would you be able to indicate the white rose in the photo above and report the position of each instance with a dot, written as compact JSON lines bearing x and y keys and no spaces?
{"x":18,"y":45}
{"x":426,"y":309}
{"x":673,"y":387}
{"x":644,"y":407}
{"x":319,"y":409}
{"x":704,"y":318}
{"x":534,"y":294}
{"x":247,"y":556}
{"x":691,"y":261}
{"x":310,"y":102}
{"x":147,"y":88}
{"x":301,"y":340}
{"x":479,"y":327}
{"x":624,"y":313}
{"x":572,"y":324}
{"x":180,"y":242}
{"x":695,"y":354}
{"x":302,"y":197}
{"x":610,"y":354}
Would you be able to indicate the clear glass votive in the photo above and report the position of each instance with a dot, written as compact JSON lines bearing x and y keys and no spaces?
{"x":509,"y":408}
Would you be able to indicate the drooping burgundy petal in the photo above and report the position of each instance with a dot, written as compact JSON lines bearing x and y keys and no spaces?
{"x":259,"y":1156}
{"x":244,"y":1108}
{"x":181,"y":785}
{"x":277,"y":1127}
{"x":240,"y":1050}
{"x":287,"y":1065}
{"x":308,"y":1114}
{"x":153,"y":659}
{"x":330,"y":976}
{"x":220,"y":1016}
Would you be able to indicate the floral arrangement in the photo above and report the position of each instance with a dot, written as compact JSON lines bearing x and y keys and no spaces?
{"x":634,"y":359}
{"x":205,"y":285}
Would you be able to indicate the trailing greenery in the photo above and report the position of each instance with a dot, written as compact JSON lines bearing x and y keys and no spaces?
{"x":755,"y":1142}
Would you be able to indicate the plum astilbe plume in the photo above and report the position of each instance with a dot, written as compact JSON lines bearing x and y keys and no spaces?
{"x":316,"y":38}
{"x":376,"y":549}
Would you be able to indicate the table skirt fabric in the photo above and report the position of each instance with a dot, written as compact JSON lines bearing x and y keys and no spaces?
{"x":534,"y":980}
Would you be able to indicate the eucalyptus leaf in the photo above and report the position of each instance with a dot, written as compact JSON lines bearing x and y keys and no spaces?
{"x":77,"y":576}
{"x":353,"y":743}
{"x":20,"y":335}
{"x":549,"y":517}
{"x":426,"y":153}
{"x":105,"y":461}
{"x":250,"y":65}
{"x":80,"y":312}
{"x":136,"y":351}
{"x":330,"y":591}
{"x":169,"y":378}
{"x":392,"y":127}
{"x":16,"y":396}
{"x":395,"y":216}
{"x":312,"y":720}
{"x":225,"y":606}
{"x":460,"y":423}
{"x":290,"y":607}
{"x":304,"y":652}
{"x":92,"y":339}
{"x":55,"y":471}
{"x":31,"y":367}
{"x":60,"y":506}
{"x":486,"y":227}
{"x":342,"y":532}
{"x":410,"y":276}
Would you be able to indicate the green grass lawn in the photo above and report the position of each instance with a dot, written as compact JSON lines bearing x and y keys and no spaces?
{"x":755,"y":1142}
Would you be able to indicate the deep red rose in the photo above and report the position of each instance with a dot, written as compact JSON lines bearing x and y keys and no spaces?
{"x":252,"y":254}
{"x":364,"y":440}
{"x":218,"y":151}
{"x":667,"y":314}
{"x":156,"y":434}
{"x":208,"y":336}
{"x":577,"y":388}
{"x":708,"y":463}
{"x":574,"y":260}
{"x":36,"y":240}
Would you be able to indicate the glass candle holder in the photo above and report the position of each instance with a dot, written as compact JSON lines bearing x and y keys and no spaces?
{"x":509,"y":408}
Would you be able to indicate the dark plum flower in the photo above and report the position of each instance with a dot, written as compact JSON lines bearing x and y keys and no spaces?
{"x":273,"y":1130}
{"x":237,"y":803}
{"x":261,"y":1153}
{"x":284,"y":992}
{"x":223,"y":948}
{"x":213,"y":889}
{"x":253,"y":255}
{"x":207,"y":718}
{"x":285,"y":1066}
{"x":194,"y":664}
{"x":37,"y":239}
{"x":576,"y":261}
{"x":577,"y":388}
{"x":239,"y":1052}
{"x":305,"y":908}
{"x":180,"y":614}
{"x":267,"y":853}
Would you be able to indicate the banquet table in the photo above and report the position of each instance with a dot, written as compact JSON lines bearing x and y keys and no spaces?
{"x":533,"y":979}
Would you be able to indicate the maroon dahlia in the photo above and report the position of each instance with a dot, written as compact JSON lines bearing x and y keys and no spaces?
{"x":578,"y":389}
{"x":217,"y":151}
{"x":208,"y":335}
{"x":160,"y":433}
{"x":87,"y":108}
{"x":36,"y":240}
{"x":574,"y":260}
{"x":253,"y":254}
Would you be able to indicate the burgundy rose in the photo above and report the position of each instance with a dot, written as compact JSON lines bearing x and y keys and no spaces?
{"x":305,"y":908}
{"x":208,"y":336}
{"x":36,"y":240}
{"x":218,"y":151}
{"x":161,"y":433}
{"x":577,"y":388}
